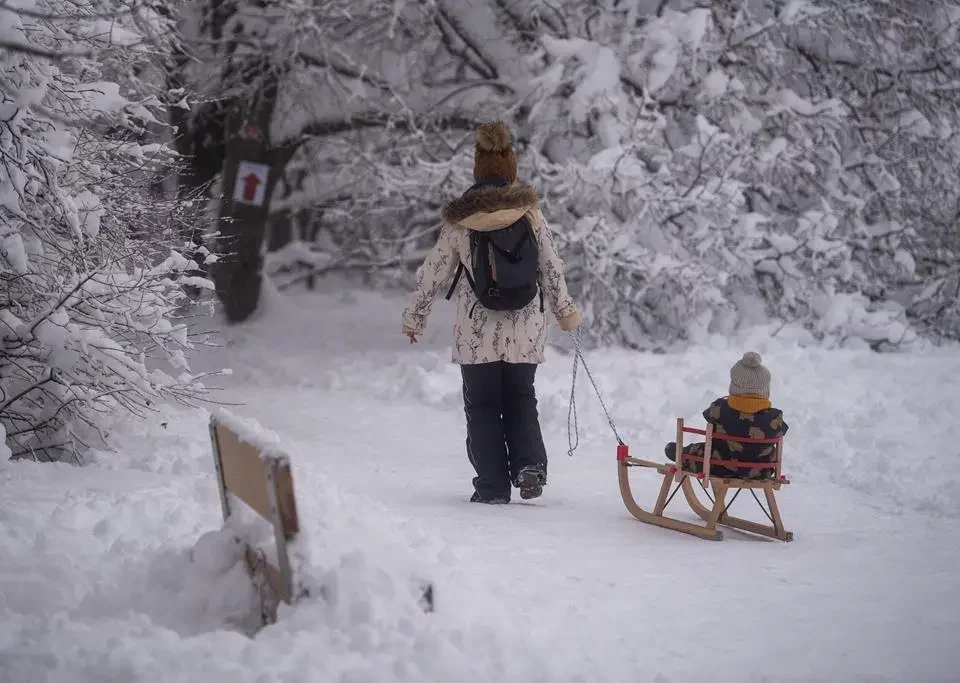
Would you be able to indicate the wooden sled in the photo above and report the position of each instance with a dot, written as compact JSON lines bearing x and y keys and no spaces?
{"x":718,"y":513}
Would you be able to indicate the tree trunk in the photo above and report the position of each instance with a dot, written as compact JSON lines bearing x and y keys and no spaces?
{"x":280,"y":227}
{"x":244,"y":208}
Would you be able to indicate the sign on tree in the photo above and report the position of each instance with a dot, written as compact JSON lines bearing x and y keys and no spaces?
{"x":251,"y":183}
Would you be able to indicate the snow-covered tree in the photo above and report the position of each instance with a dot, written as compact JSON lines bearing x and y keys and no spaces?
{"x":894,"y":67}
{"x":90,"y":262}
{"x":264,"y":80}
{"x":716,"y":173}
{"x":707,"y":165}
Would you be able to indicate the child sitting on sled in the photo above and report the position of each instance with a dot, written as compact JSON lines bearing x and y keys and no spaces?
{"x":746,"y":412}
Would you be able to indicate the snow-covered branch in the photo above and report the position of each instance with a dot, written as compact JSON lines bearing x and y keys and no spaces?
{"x":91,"y":266}
{"x":707,"y":165}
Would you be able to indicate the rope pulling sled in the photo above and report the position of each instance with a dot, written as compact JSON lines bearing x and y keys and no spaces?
{"x":675,"y":476}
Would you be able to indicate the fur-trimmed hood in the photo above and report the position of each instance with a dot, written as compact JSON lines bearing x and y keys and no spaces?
{"x":491,"y":207}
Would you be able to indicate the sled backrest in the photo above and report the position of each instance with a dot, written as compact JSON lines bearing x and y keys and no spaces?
{"x":265,"y":483}
{"x":709,"y":436}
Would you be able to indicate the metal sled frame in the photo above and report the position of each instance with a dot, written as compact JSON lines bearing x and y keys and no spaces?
{"x":673,"y":474}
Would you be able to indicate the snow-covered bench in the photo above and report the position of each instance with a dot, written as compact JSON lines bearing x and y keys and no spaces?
{"x":254,"y":470}
{"x":259,"y":476}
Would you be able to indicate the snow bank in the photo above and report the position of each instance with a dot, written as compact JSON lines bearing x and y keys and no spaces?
{"x":126,"y":533}
{"x":120,"y":571}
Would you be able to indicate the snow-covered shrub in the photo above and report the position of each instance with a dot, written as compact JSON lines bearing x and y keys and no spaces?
{"x":713,"y":157}
{"x":895,"y":68}
{"x":91,"y":270}
{"x":706,"y":165}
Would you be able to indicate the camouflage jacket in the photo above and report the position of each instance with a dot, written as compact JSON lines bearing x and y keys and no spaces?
{"x":765,"y":424}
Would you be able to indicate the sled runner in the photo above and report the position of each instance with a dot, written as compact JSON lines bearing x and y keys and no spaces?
{"x":675,"y":476}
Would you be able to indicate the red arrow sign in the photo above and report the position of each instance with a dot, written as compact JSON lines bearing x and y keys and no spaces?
{"x":250,"y":184}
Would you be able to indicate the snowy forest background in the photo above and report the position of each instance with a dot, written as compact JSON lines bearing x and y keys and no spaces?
{"x":706,"y":166}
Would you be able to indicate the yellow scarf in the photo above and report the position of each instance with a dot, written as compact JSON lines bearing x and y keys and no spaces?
{"x":748,"y":404}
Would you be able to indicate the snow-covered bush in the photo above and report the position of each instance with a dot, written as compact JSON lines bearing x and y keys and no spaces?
{"x":716,"y":159}
{"x":706,"y":165}
{"x":91,"y":270}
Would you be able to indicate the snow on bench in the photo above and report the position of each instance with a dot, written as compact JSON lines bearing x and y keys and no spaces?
{"x":253,"y":468}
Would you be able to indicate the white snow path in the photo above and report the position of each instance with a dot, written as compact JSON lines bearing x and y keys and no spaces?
{"x":863,"y":567}
{"x":96,"y":582}
{"x":630,"y":597}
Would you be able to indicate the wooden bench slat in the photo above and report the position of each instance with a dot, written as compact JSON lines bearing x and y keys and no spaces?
{"x":265,"y":483}
{"x":244,"y":472}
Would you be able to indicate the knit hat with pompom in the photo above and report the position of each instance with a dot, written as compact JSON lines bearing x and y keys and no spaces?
{"x":494,"y":158}
{"x":748,"y":377}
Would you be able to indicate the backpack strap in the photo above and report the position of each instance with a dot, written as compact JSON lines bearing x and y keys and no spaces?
{"x":531,"y":232}
{"x":456,"y":279}
{"x":461,"y":270}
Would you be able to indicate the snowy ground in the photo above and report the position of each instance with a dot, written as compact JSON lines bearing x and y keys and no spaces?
{"x":103,"y":579}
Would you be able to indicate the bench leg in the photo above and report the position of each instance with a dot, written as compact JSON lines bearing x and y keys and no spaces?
{"x":218,"y":464}
{"x":264,"y":579}
{"x":285,"y":589}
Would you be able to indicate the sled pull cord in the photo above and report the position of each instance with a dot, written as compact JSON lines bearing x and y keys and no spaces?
{"x":573,"y":431}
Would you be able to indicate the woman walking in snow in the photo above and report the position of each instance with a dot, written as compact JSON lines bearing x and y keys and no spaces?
{"x":495,"y":235}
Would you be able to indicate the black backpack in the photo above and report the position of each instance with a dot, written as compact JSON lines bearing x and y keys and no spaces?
{"x":505,"y":267}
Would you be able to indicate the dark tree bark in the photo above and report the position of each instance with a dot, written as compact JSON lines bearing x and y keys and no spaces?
{"x":280,"y":227}
{"x":242,"y":225}
{"x":213,"y":141}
